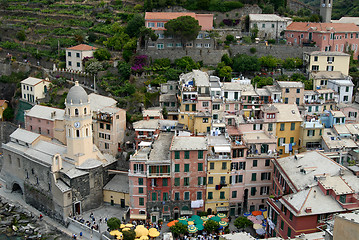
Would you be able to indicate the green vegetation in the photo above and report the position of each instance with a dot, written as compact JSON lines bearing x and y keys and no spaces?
{"x":113,"y":223}
{"x":242,"y":222}
{"x":178,"y":229}
{"x":211,"y":226}
{"x":186,"y":28}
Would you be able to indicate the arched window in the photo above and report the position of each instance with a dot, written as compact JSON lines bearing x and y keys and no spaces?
{"x":76,"y":112}
{"x":87,"y":132}
{"x":77,"y":133}
{"x":69,"y":111}
{"x":85,"y":110}
{"x":185,"y":208}
{"x":69,"y":132}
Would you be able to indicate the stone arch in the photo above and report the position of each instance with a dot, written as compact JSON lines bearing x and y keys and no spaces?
{"x":16,"y":188}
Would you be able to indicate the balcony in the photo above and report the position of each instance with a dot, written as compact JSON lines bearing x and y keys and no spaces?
{"x":136,"y":173}
{"x":159,"y":175}
{"x":219,"y":157}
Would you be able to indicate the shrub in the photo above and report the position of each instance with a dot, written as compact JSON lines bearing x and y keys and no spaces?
{"x":102,"y":54}
{"x":253,"y":50}
{"x":230,"y":38}
{"x":113,"y":223}
{"x":21,"y":36}
{"x":271,"y":41}
{"x":242,"y":222}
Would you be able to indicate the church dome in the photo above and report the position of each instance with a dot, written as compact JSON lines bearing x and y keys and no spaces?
{"x":77,"y":95}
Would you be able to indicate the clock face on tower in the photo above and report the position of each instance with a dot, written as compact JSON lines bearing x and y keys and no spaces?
{"x":77,"y":124}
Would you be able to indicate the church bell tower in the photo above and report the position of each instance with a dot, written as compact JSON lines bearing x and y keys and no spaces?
{"x":326,"y":10}
{"x":78,"y":125}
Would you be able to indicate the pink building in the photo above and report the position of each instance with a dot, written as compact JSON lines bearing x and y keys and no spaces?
{"x":339,"y":37}
{"x":157,"y":20}
{"x":46,"y":121}
{"x":189,"y":175}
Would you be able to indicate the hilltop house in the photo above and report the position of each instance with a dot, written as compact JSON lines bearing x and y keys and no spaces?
{"x":33,"y":89}
{"x":75,"y":55}
{"x":339,"y":37}
{"x":156,"y":21}
{"x":270,"y":26}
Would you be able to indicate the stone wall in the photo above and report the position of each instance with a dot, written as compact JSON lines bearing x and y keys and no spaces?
{"x":6,"y":129}
{"x":207,"y":55}
{"x":278,"y":51}
{"x":296,"y":5}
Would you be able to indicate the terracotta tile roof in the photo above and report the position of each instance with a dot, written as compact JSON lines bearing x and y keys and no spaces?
{"x":2,"y":102}
{"x":323,"y":27}
{"x":204,"y":20}
{"x":82,"y":47}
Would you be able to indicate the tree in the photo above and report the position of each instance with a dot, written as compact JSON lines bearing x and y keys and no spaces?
{"x":186,"y":63}
{"x":178,"y":229}
{"x":134,"y":25}
{"x":8,"y":114}
{"x":164,"y":112}
{"x":145,"y":35}
{"x":93,"y":67}
{"x":262,"y":81}
{"x":21,"y":36}
{"x":129,"y":235}
{"x":185,"y":27}
{"x":225,"y":73}
{"x":245,"y":63}
{"x":227,"y":60}
{"x":242,"y":222}
{"x":269,"y":62}
{"x":113,"y":223}
{"x":211,"y":226}
{"x":124,"y":70}
{"x":102,"y":54}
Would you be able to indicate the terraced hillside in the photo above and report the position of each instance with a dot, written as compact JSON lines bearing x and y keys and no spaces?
{"x":41,"y":27}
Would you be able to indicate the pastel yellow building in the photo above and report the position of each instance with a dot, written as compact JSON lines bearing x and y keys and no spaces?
{"x":288,"y":121}
{"x":3,"y":106}
{"x":218,"y":182}
{"x":116,"y":191}
{"x":311,"y":135}
{"x":327,"y":61}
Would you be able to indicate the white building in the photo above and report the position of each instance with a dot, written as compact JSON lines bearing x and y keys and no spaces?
{"x":270,"y":26}
{"x":75,"y":55}
{"x":33,"y":89}
{"x":344,"y":88}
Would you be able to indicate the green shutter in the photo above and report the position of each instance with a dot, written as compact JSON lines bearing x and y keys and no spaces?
{"x":177,"y":155}
{"x":254,"y":176}
{"x":177,"y":181}
{"x":200,"y":166}
{"x":177,"y":167}
{"x":154,"y":196}
{"x":200,"y":154}
{"x":186,"y":167}
{"x":240,"y":178}
{"x":186,"y":155}
{"x":291,"y":139}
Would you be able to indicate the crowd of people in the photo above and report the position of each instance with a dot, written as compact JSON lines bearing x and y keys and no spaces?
{"x":92,"y":224}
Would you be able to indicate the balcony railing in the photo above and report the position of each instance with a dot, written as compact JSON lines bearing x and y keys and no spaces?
{"x":213,"y":156}
{"x":159,"y":174}
{"x":133,"y":173}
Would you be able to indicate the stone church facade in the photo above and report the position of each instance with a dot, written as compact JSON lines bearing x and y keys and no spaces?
{"x":59,"y":180}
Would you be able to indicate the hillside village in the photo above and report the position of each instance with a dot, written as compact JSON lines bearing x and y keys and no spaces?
{"x":205,"y":120}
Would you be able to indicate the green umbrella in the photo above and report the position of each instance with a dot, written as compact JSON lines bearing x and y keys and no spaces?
{"x":204,"y":218}
{"x":223,"y":224}
{"x":216,"y":218}
{"x":190,"y":219}
{"x":184,"y":222}
{"x":221,"y":215}
{"x":200,"y":227}
{"x":198,"y":222}
{"x":182,"y":218}
{"x":195,"y":217}
{"x":192,"y":229}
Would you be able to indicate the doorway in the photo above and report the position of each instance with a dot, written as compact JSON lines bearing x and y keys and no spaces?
{"x":123,"y":203}
{"x":77,"y":207}
{"x":16,"y":188}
